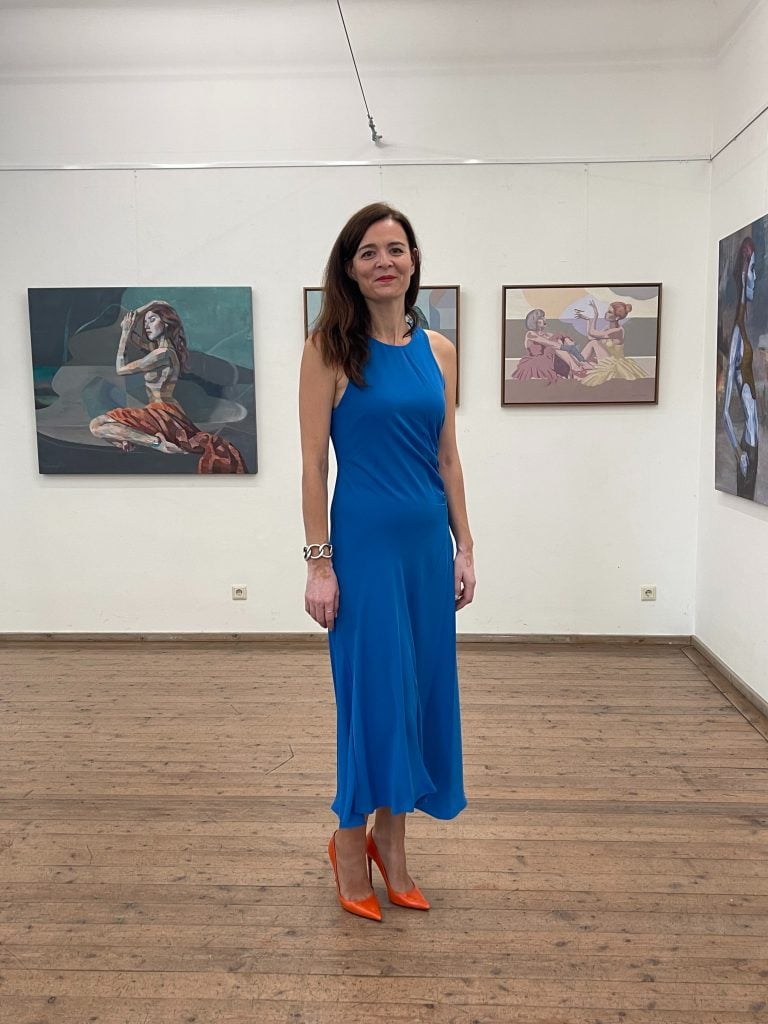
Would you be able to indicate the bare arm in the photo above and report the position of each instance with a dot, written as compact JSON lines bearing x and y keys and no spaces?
{"x":317,"y":385}
{"x":546,"y":339}
{"x":734,"y":356}
{"x":452,"y":476}
{"x":612,"y":332}
{"x":592,"y":319}
{"x":158,"y":357}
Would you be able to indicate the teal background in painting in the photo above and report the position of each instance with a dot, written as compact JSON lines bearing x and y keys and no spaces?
{"x":217,"y":321}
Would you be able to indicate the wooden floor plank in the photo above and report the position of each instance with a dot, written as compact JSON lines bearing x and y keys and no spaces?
{"x":73,"y":1010}
{"x":164,"y":809}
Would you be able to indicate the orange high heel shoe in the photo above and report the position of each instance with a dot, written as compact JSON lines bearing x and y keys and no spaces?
{"x":414,"y":898}
{"x":368,"y":907}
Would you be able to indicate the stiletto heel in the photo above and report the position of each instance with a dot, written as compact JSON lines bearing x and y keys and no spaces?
{"x":414,"y":898}
{"x":368,"y":907}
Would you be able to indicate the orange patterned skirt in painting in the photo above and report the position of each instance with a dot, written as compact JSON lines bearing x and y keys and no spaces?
{"x":168,"y":420}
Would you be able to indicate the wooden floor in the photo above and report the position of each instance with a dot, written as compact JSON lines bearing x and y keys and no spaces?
{"x":164,"y":817}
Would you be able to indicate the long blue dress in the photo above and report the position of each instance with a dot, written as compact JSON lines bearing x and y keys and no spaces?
{"x":393,"y":649}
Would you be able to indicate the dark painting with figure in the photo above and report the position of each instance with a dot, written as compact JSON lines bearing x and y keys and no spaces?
{"x":741,"y":395}
{"x":143,"y":380}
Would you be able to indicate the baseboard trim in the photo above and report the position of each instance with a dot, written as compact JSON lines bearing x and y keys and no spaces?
{"x":733,"y":687}
{"x":573,"y":638}
{"x":98,"y":638}
{"x":726,"y":681}
{"x":319,"y":639}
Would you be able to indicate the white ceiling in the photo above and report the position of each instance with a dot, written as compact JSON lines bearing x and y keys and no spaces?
{"x":114,"y":37}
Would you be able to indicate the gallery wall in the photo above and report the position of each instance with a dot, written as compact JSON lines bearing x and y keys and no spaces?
{"x":572,"y":509}
{"x":732,"y":578}
{"x":236,"y":81}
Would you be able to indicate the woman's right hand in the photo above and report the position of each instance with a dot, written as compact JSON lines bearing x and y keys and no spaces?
{"x":321,"y":597}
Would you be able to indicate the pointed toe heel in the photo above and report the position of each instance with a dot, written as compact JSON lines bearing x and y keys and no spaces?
{"x":413,"y":899}
{"x":368,"y":907}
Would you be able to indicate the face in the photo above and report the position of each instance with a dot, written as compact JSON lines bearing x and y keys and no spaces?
{"x":383,"y":264}
{"x":153,"y":325}
{"x":749,"y":282}
{"x":541,"y":323}
{"x":610,"y":314}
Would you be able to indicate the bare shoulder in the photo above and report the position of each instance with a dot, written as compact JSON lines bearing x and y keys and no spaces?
{"x":443,"y":349}
{"x":314,"y":357}
{"x":318,"y":381}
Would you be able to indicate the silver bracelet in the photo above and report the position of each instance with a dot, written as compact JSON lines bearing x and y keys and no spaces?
{"x":323,"y":551}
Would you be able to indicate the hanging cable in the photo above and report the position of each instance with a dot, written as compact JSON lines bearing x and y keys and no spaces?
{"x":374,"y":134}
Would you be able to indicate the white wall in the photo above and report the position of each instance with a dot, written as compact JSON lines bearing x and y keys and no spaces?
{"x":144,"y":83}
{"x":732,"y":581}
{"x":562,"y":113}
{"x":572,"y":509}
{"x":739,"y":85}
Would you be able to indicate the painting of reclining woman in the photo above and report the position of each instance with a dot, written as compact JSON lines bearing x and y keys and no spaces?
{"x":126,"y":383}
{"x":580,"y":344}
{"x":741,"y":395}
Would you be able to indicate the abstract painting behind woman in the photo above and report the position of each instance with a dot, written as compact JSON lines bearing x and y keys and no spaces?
{"x":742,"y":364}
{"x":130,"y":382}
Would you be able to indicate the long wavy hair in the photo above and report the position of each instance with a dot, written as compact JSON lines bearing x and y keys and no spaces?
{"x":745,"y":254}
{"x":173,"y":333}
{"x":343,"y":326}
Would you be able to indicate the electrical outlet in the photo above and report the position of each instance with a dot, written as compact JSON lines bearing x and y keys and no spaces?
{"x":239,"y":592}
{"x":647,"y":593}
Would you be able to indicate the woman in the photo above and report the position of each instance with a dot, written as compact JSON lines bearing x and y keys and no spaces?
{"x":741,"y":373}
{"x":548,"y":356}
{"x":385,"y":582}
{"x":606,"y":347}
{"x":162,"y":424}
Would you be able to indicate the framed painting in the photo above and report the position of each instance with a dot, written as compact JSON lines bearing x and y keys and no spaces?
{"x":580,"y":344}
{"x":143,"y":380}
{"x":437,"y":308}
{"x":741,"y":390}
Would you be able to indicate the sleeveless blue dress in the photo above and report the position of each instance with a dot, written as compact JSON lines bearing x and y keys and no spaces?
{"x":393,"y":648}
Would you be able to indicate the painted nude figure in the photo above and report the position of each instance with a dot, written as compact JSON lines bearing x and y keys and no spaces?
{"x":162,"y":424}
{"x":740,"y":375}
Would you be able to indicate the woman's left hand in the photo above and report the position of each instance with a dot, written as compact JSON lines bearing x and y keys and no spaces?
{"x":128,"y":323}
{"x":464,"y":581}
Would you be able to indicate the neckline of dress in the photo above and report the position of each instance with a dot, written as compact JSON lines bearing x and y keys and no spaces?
{"x":386,"y":344}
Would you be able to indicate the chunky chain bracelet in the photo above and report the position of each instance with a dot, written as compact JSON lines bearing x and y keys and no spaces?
{"x":323,"y":551}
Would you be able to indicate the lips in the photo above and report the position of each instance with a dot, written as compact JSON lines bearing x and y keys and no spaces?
{"x":385,"y":278}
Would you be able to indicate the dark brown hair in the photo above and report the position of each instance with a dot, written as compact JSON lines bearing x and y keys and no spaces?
{"x":174,"y":330}
{"x":342,"y":328}
{"x":746,"y":252}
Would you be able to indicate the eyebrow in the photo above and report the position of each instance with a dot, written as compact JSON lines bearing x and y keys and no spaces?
{"x":372,"y":245}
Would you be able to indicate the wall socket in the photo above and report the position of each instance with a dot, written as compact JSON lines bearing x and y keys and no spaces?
{"x":239,"y":592}
{"x":647,"y":593}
